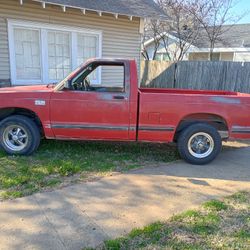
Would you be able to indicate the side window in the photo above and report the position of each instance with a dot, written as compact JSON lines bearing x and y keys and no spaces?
{"x":112,"y":78}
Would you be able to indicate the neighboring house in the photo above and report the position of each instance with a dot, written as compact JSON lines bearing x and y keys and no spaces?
{"x":42,"y":41}
{"x":162,"y":54}
{"x":234,"y":45}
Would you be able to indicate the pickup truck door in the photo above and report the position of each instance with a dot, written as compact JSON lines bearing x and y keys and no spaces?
{"x":87,"y":112}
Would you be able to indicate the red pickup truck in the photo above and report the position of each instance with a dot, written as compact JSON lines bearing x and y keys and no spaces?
{"x":76,"y":109}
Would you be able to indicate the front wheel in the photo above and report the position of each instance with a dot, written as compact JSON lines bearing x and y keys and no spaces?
{"x":19,"y":135}
{"x":199,"y":144}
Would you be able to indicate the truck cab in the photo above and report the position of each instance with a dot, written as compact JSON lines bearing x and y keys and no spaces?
{"x":104,"y":111}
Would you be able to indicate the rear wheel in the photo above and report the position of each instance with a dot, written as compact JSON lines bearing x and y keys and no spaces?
{"x":19,"y":135}
{"x":199,"y":144}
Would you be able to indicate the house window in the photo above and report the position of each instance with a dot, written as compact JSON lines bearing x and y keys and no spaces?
{"x":27,"y":53}
{"x":162,"y":57}
{"x":44,"y":53}
{"x":59,"y":56}
{"x":215,"y":57}
{"x":87,"y":49}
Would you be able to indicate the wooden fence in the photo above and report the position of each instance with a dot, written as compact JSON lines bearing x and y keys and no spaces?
{"x":231,"y":76}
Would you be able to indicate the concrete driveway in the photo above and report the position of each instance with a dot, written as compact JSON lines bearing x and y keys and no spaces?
{"x":86,"y":214}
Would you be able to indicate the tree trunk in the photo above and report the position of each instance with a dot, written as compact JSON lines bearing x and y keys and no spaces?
{"x":211,"y":51}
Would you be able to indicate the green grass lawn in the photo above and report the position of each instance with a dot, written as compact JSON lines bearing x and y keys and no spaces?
{"x":220,"y":225}
{"x":58,"y":163}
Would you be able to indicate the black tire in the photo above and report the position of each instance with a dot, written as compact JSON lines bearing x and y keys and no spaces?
{"x":187,"y":148}
{"x":29,"y":132}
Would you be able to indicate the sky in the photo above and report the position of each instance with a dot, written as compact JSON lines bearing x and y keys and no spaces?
{"x":242,"y":6}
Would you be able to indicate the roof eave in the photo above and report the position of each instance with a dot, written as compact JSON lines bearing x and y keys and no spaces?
{"x":151,"y":40}
{"x":225,"y":49}
{"x":116,"y":14}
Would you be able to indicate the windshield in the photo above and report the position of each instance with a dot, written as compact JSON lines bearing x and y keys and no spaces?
{"x":62,"y":83}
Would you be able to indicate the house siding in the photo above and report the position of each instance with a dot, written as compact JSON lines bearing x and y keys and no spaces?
{"x":173,"y":50}
{"x":242,"y":57}
{"x":4,"y":52}
{"x":198,"y":56}
{"x":121,"y":37}
{"x":227,"y":56}
{"x":204,"y":56}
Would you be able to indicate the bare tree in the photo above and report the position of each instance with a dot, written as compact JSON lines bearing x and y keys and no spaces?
{"x":212,"y":16}
{"x":154,"y":29}
{"x":183,"y":28}
{"x":192,"y":20}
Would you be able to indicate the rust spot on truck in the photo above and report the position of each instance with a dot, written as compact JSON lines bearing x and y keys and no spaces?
{"x":225,"y":100}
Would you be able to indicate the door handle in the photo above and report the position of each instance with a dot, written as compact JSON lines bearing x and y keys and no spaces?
{"x":118,"y":97}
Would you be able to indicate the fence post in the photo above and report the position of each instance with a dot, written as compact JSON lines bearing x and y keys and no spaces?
{"x":175,"y":74}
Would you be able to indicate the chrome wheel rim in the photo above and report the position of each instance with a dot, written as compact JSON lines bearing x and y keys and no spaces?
{"x":15,"y":138}
{"x":200,"y":145}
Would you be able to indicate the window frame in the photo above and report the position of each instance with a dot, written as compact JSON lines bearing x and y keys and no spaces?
{"x":161,"y":54}
{"x":217,"y":56}
{"x":40,"y":55}
{"x":98,"y":65}
{"x":70,"y":51}
{"x":43,"y":28}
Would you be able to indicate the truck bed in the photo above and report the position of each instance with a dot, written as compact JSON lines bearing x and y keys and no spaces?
{"x":163,"y":110}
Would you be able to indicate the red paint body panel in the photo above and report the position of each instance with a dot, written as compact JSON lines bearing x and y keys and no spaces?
{"x":24,"y":97}
{"x":175,"y":105}
{"x":89,"y":109}
{"x":140,"y":114}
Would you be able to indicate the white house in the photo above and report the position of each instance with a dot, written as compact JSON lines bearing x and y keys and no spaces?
{"x":162,"y":54}
{"x":233,"y":45}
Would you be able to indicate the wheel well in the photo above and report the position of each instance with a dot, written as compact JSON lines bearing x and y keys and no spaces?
{"x":6,"y":112}
{"x":216,"y":121}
